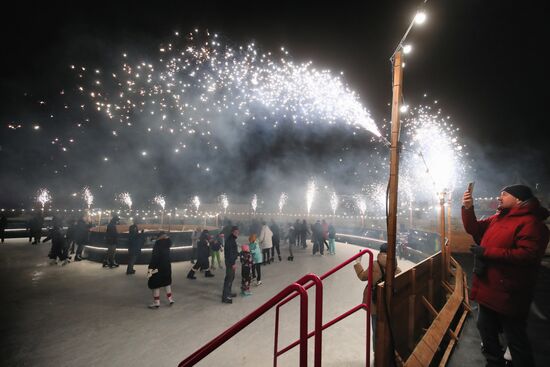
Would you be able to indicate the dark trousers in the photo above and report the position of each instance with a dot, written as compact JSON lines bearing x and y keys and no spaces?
{"x":489,"y":324}
{"x":257,"y":272}
{"x":245,"y":278}
{"x":228,"y":281}
{"x":132,"y":258}
{"x":265,"y":253}
{"x":318,"y":246}
{"x":110,"y":255}
{"x":36,"y":235}
{"x":303,"y":238}
{"x":79,"y":249}
{"x":291,"y":244}
{"x":275,"y":247}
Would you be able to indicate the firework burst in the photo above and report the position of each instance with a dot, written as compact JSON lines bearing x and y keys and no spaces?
{"x":196,"y":202}
{"x":160,"y":201}
{"x":43,"y":196}
{"x":88,"y":197}
{"x":224,"y":202}
{"x":254,"y":203}
{"x":333,"y":202}
{"x":310,"y":194}
{"x":126,"y":199}
{"x":282,"y":201}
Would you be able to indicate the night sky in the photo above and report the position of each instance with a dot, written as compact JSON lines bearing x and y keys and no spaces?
{"x":482,"y":61}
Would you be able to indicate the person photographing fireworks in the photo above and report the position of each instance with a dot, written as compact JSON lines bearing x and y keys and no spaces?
{"x":508,"y":252}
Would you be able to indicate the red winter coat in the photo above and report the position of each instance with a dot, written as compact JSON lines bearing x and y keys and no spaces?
{"x":515,"y":241}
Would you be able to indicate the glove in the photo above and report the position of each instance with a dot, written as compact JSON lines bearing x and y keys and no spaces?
{"x":477,"y":250}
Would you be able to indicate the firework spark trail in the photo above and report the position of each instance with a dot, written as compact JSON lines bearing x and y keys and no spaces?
{"x":224,"y":201}
{"x":361,"y":203}
{"x":310,"y":194}
{"x":433,"y":155}
{"x":196,"y":202}
{"x":282,"y":201}
{"x":377,"y":195}
{"x":198,"y":80}
{"x":88,"y":197}
{"x":43,"y":196}
{"x":160,"y":200}
{"x":254,"y":203}
{"x":126,"y":199}
{"x":334,"y":202}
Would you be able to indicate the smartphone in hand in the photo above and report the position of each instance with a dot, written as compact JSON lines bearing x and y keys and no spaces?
{"x":471,"y":187}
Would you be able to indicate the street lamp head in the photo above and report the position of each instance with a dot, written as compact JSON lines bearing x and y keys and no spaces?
{"x":420,"y":17}
{"x":407,"y":49}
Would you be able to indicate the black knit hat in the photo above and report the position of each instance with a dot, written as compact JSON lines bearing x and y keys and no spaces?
{"x":521,"y":192}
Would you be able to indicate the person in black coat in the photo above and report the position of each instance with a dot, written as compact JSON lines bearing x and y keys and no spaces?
{"x":3,"y":225}
{"x":203,"y":252}
{"x":303,"y":233}
{"x":59,"y":245}
{"x":317,"y":237}
{"x":36,"y":228}
{"x":231,"y":255}
{"x":81,"y":236}
{"x":135,"y":242}
{"x":111,"y":237}
{"x":159,"y":272}
{"x":276,"y":239}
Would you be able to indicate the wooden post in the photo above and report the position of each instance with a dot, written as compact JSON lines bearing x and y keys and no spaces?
{"x":412,"y":302}
{"x":384,"y":355}
{"x":442,"y":235}
{"x":449,"y":217}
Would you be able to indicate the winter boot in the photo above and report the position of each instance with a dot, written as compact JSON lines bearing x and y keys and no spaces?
{"x":155,"y":304}
{"x":191,"y":274}
{"x":170,"y":299}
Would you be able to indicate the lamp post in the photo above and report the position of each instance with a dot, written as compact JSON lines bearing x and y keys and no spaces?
{"x":384,"y":354}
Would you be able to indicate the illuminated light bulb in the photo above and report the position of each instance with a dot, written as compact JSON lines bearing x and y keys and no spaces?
{"x":420,"y":17}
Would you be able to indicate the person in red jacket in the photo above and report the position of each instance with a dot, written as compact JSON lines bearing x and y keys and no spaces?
{"x":507,"y":254}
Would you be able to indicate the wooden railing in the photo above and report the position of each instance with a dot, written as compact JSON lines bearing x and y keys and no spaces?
{"x":426,"y":316}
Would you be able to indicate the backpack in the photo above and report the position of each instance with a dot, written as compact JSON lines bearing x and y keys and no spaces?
{"x":373,"y":292}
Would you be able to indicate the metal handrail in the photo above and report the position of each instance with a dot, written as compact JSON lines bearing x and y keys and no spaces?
{"x":318,"y":312}
{"x":298,"y":288}
{"x":306,"y":281}
{"x":233,"y":330}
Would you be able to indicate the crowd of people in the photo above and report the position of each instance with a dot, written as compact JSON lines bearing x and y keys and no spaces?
{"x":261,"y":248}
{"x":507,"y":253}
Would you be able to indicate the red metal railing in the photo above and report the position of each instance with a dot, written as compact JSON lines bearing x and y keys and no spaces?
{"x":298,"y":288}
{"x":319,"y":309}
{"x":229,"y":333}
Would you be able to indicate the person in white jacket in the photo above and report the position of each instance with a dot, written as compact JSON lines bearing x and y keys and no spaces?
{"x":266,"y":242}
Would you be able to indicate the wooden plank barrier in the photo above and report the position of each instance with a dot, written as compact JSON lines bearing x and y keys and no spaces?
{"x":426,"y":317}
